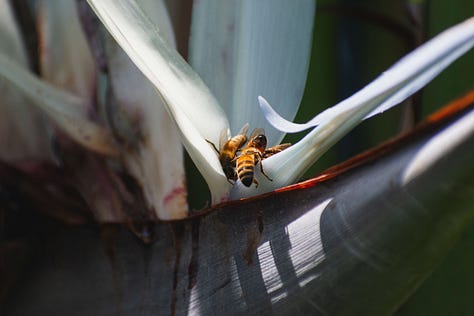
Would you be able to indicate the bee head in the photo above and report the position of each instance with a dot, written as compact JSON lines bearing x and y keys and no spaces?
{"x":260,"y":142}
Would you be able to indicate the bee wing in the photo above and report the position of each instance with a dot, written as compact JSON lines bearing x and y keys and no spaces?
{"x":224,"y":137}
{"x":256,"y":132}
{"x":244,"y":130}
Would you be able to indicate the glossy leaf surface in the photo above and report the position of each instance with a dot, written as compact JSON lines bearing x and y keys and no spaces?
{"x":358,"y":239}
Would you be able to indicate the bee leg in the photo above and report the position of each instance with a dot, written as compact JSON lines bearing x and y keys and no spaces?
{"x":256,"y":182}
{"x":263,"y":172}
{"x":213,"y":146}
{"x":275,"y":150}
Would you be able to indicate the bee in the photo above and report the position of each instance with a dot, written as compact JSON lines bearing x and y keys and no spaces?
{"x":253,"y":153}
{"x":228,"y":148}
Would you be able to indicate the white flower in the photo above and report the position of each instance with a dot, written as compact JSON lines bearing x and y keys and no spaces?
{"x":404,"y":78}
{"x":241,"y":50}
{"x":233,"y":70}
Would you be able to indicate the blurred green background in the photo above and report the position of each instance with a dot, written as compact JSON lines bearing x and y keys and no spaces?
{"x":354,"y":41}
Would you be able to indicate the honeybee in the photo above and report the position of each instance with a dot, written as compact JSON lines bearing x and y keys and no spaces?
{"x":253,"y":153}
{"x":228,"y":147}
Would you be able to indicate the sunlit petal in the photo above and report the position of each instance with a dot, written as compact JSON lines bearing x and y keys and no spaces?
{"x":400,"y":81}
{"x":404,"y":78}
{"x":243,"y":49}
{"x":189,"y":102}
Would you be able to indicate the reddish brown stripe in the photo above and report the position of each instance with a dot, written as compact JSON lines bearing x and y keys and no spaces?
{"x":246,"y":173}
{"x":245,"y":166}
{"x":245,"y":169}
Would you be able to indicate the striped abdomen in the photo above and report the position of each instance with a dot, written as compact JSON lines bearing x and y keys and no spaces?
{"x":246,"y":164}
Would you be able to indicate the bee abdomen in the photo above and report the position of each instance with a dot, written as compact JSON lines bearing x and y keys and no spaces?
{"x":245,"y":172}
{"x":237,"y":141}
{"x":247,"y":178}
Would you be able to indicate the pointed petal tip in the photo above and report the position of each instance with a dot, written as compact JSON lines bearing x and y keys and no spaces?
{"x":280,"y":123}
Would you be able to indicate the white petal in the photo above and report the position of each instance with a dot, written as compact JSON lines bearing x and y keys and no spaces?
{"x":65,"y":58}
{"x":12,"y":45}
{"x":400,"y":81}
{"x":156,"y":157}
{"x":408,"y":75}
{"x":189,"y":102}
{"x":23,"y":131}
{"x":247,"y":48}
{"x":158,"y":13}
{"x":66,"y":110}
